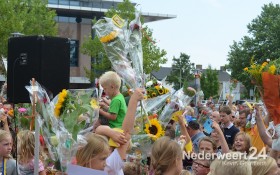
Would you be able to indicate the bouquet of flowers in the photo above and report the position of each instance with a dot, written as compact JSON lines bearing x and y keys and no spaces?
{"x":124,"y":47}
{"x":154,"y":88}
{"x":116,"y":46}
{"x":179,"y":101}
{"x":63,"y":120}
{"x":266,"y":77}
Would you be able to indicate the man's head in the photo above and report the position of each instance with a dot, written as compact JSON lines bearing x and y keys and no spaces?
{"x":243,"y":117}
{"x":193,"y":128}
{"x":225,"y":114}
{"x":201,"y":167}
{"x":215,"y":116}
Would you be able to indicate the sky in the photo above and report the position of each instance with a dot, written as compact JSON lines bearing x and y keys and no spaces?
{"x":203,"y":29}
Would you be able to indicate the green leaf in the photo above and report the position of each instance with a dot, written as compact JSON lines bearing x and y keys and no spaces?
{"x":77,"y":128}
{"x":24,"y":122}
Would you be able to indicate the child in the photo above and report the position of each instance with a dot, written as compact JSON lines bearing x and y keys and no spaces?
{"x":111,"y":82}
{"x":5,"y":151}
{"x":242,"y":142}
{"x":96,"y":154}
{"x":26,"y":146}
{"x":207,"y":145}
{"x":166,"y":157}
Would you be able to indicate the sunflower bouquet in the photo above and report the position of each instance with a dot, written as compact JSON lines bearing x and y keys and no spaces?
{"x":63,"y":120}
{"x":117,"y":46}
{"x":154,"y":88}
{"x":70,"y":105}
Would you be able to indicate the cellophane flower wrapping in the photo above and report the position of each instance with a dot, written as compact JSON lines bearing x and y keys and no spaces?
{"x":153,"y":105}
{"x":141,"y":143}
{"x":123,"y":49}
{"x":135,"y":51}
{"x":117,"y":48}
{"x":63,"y":134}
{"x":179,"y":101}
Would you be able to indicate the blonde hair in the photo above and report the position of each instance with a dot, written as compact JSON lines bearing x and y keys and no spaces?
{"x":164,"y":154}
{"x":210,"y":140}
{"x":4,"y":135}
{"x":96,"y":144}
{"x":247,"y":140}
{"x":231,"y":165}
{"x":26,"y":145}
{"x":131,"y":168}
{"x":109,"y":78}
{"x":190,"y":111}
{"x":185,"y":172}
{"x":262,"y":166}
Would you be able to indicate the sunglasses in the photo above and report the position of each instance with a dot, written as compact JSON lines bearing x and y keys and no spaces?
{"x":200,"y":165}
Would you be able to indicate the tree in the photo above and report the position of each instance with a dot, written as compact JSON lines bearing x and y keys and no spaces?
{"x":263,"y":42}
{"x":153,"y":56}
{"x":29,"y":17}
{"x":209,"y":82}
{"x":181,"y":71}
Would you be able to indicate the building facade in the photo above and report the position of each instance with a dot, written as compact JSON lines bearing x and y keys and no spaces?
{"x":74,"y":19}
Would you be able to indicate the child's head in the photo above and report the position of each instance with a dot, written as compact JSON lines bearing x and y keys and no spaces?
{"x":190,"y":111}
{"x":185,"y":172}
{"x":265,"y":166}
{"x":5,"y":144}
{"x":94,"y":153}
{"x":131,"y":168}
{"x":207,"y":145}
{"x":111,"y":83}
{"x":242,"y":142}
{"x":25,"y":145}
{"x":166,"y":155}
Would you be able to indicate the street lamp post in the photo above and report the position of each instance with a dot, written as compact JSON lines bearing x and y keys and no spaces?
{"x":197,"y":73}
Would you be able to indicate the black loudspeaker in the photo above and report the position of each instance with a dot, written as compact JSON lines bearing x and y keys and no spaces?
{"x":47,"y":59}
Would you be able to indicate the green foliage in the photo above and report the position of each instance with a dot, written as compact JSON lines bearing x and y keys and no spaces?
{"x":29,"y":17}
{"x":263,"y":42}
{"x":209,"y":83}
{"x":181,"y":71}
{"x":153,"y":56}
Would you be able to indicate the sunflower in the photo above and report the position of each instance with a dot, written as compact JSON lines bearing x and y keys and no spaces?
{"x":93,"y":104}
{"x":272,"y":69}
{"x":175,"y":115}
{"x":154,"y":129}
{"x":110,"y":37}
{"x":157,"y":87}
{"x":154,"y":94}
{"x":149,"y":92}
{"x":60,"y":102}
{"x":160,"y":91}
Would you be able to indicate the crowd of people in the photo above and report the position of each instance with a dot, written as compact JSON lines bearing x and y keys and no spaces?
{"x":230,"y":148}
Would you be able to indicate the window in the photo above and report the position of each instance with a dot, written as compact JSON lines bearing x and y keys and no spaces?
{"x":74,"y":53}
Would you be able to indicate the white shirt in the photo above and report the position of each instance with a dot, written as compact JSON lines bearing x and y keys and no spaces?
{"x":114,"y":164}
